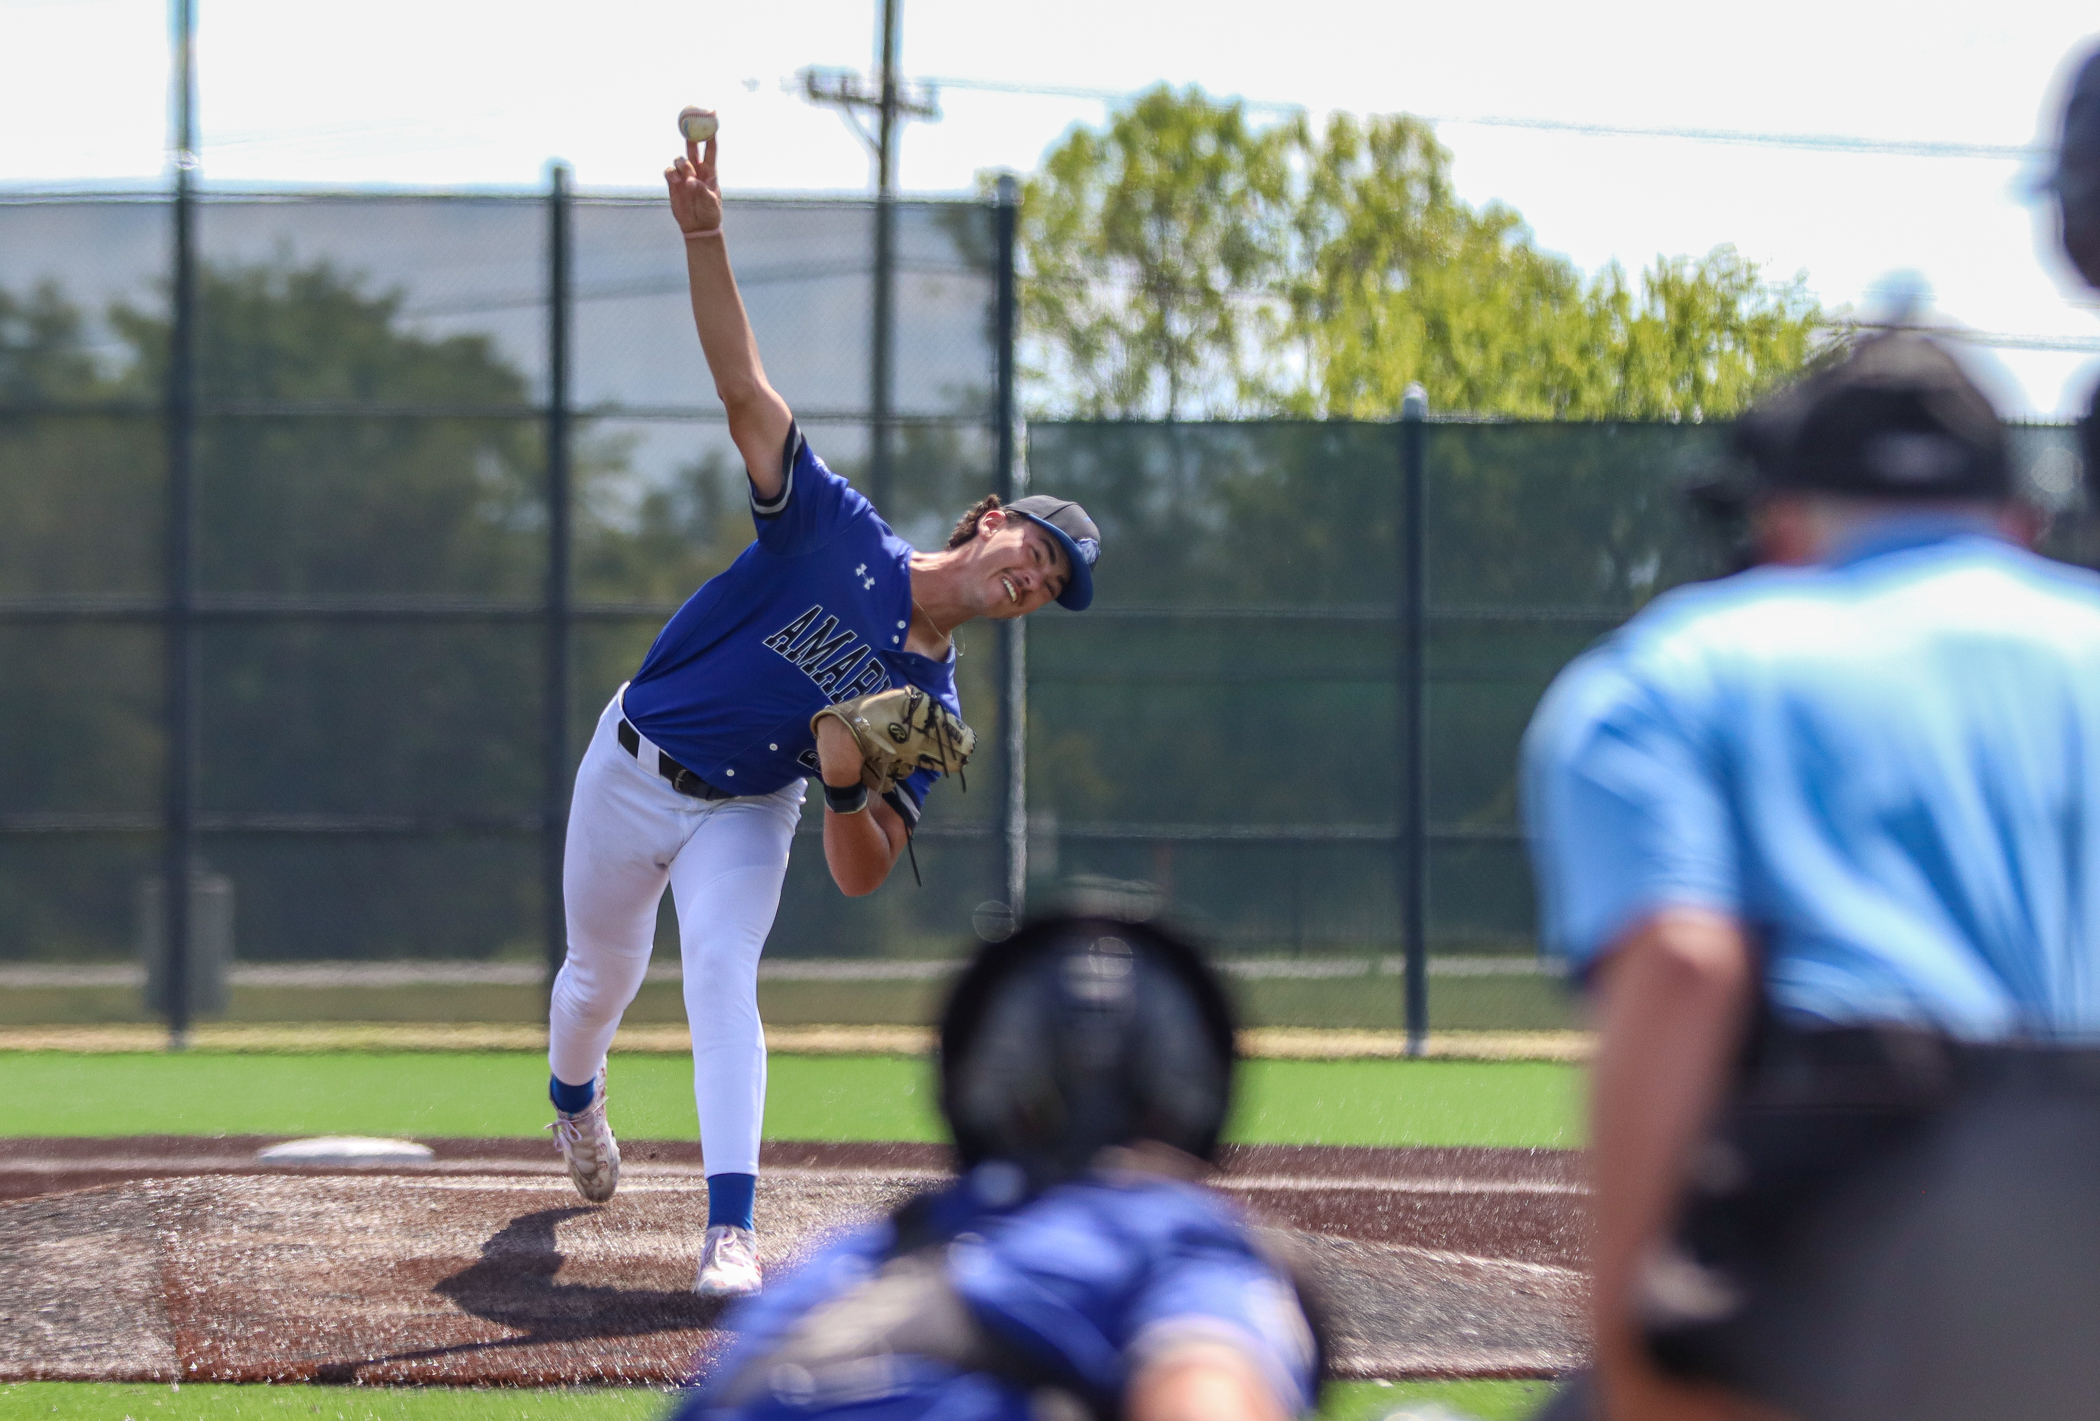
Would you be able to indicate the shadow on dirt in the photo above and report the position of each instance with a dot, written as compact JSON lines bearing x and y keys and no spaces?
{"x":512,"y":1284}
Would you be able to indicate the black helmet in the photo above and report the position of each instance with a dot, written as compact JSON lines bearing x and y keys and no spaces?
{"x":1079,"y":1033}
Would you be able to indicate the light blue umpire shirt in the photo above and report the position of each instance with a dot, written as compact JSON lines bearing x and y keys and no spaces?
{"x":1887,"y":766}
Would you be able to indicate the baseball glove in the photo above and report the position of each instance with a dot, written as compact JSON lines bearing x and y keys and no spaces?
{"x":900,"y":731}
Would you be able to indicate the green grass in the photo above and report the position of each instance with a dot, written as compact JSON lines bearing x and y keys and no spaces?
{"x":1534,"y":1103}
{"x":1486,"y":1401}
{"x":1369,"y":1102}
{"x":100,"y":1401}
{"x":1455,"y":1003}
{"x":92,"y":1401}
{"x":463,"y":1093}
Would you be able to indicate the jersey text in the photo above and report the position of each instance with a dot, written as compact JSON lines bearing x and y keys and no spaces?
{"x":831,"y":656}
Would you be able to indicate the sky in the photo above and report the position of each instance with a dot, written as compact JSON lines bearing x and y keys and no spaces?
{"x":445,"y":93}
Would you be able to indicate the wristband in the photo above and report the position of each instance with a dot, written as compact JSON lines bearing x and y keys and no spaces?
{"x":850,"y":800}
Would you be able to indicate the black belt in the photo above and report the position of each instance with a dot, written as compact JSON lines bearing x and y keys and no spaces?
{"x":1895,"y":1066}
{"x":680,"y":778}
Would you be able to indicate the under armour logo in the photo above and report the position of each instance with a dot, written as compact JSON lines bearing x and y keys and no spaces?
{"x":861,"y":571}
{"x":867,"y":582}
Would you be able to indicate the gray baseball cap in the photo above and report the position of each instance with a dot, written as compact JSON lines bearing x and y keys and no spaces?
{"x":1068,"y":523}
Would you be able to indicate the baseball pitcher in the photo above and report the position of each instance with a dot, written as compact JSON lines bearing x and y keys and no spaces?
{"x":824,"y":652}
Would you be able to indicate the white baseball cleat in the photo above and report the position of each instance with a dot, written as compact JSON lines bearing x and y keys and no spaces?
{"x":728,"y":1263}
{"x":588,"y":1147}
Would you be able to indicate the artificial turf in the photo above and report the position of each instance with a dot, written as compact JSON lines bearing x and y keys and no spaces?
{"x":1352,"y":1102}
{"x":94,"y":1401}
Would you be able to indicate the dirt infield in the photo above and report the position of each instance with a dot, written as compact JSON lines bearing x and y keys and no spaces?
{"x":180,"y":1258}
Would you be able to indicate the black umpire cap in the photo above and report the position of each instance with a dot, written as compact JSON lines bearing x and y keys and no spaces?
{"x":1896,"y":418}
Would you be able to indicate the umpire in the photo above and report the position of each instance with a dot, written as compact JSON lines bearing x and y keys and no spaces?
{"x":1823,"y":840}
{"x":1077,"y":1269}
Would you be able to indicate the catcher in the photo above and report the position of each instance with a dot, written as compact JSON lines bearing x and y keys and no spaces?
{"x":825,"y":651}
{"x":1075,"y":1270}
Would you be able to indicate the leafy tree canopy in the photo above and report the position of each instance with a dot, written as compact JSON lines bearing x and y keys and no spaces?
{"x":43,"y":353}
{"x":1184,"y":262}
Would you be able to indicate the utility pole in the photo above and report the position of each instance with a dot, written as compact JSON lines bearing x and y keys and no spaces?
{"x":890,"y":103}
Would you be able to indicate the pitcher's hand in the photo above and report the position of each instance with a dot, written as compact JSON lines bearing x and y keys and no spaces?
{"x":696,"y":193}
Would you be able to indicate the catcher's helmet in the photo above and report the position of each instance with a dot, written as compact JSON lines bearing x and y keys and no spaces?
{"x":1080,"y":1033}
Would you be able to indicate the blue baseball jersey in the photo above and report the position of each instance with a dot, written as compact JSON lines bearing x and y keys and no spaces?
{"x":1086,"y":1281}
{"x":1886,"y":766}
{"x":813,"y":613}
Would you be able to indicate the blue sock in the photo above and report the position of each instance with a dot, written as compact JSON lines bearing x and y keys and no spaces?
{"x":730,"y":1198}
{"x":570,"y":1098}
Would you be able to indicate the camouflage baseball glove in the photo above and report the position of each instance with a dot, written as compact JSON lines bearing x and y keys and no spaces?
{"x":901,"y":731}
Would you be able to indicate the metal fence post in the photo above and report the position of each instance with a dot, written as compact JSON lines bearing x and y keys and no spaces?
{"x":1013,"y":635}
{"x":1414,"y":836}
{"x":180,"y":827}
{"x":555,"y":799}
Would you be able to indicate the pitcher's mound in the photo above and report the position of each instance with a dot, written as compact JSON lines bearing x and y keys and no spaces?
{"x":513,"y":1280}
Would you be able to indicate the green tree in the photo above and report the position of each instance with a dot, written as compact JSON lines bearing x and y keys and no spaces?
{"x":80,"y":496}
{"x":43,"y":352}
{"x":77,"y":496}
{"x":1153,"y":250}
{"x":1185,"y":261}
{"x":361,"y":485}
{"x":348,"y":456}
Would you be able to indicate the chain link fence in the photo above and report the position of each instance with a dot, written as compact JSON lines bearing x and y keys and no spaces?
{"x":405,"y":409}
{"x":397,"y":408}
{"x":1222,"y":734}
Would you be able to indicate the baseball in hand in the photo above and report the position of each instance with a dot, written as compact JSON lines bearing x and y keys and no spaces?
{"x":697,"y":124}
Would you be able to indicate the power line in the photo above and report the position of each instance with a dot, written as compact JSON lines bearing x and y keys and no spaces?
{"x":1811,"y":142}
{"x":1070,"y":91}
{"x":1814,"y":142}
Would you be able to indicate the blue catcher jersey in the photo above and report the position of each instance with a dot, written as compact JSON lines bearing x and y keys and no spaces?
{"x":1887,"y":767}
{"x":1085,"y":1282}
{"x":813,"y":613}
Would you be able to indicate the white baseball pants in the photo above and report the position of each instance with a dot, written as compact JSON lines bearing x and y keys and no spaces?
{"x":630,"y":834}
